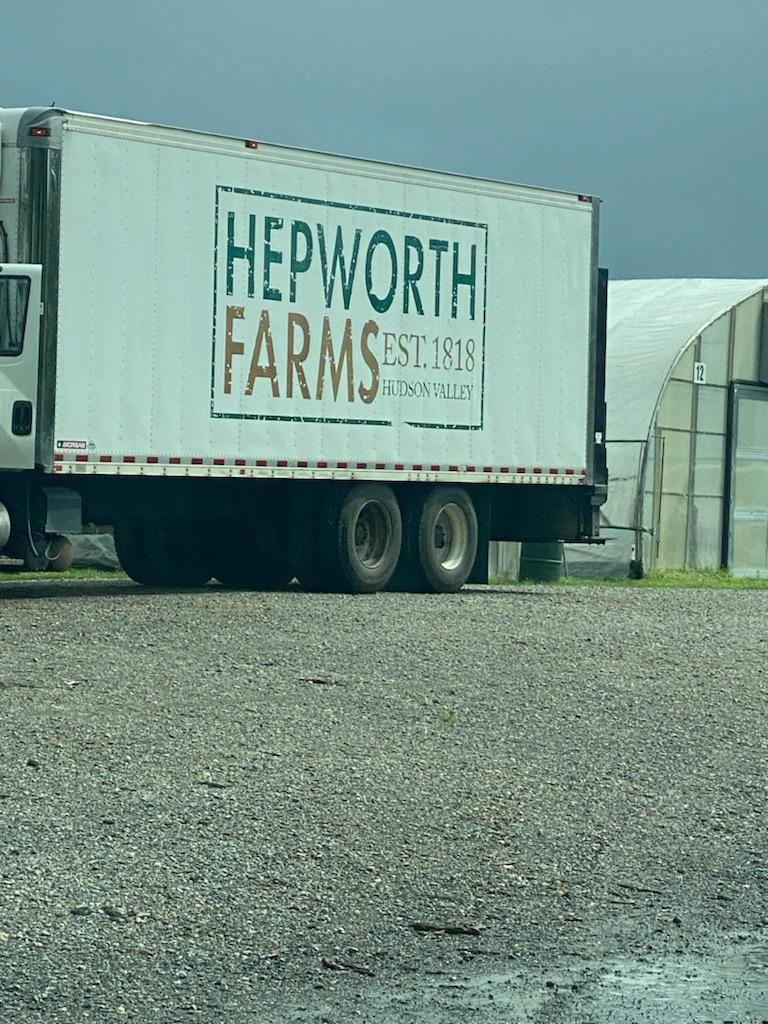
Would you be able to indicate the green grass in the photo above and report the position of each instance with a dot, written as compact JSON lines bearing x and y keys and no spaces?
{"x":70,"y":574}
{"x":712,"y":579}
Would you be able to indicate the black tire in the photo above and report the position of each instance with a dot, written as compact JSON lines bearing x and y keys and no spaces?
{"x":367,"y":536}
{"x":348,"y":541}
{"x":159,"y":554}
{"x":131,"y":552}
{"x":440,"y":541}
{"x":239,"y":563}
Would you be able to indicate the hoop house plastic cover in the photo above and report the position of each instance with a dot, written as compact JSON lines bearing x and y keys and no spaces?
{"x":650,"y":324}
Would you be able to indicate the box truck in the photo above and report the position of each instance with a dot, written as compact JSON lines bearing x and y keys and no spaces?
{"x":259,"y":363}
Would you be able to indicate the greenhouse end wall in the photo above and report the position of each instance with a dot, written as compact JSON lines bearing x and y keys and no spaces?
{"x":690,"y":446}
{"x":683,"y":489}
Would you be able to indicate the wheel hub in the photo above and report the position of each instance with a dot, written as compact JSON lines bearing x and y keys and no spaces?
{"x":372,"y":531}
{"x":451,"y":536}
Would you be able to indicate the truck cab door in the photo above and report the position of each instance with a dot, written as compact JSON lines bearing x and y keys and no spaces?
{"x":19,"y":345}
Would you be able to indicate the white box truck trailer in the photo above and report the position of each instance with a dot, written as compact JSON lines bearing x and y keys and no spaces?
{"x":259,"y":363}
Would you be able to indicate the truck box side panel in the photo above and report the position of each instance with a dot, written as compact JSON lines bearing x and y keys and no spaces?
{"x":220,"y":305}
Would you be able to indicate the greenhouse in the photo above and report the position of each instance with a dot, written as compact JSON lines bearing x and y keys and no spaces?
{"x":687,"y":437}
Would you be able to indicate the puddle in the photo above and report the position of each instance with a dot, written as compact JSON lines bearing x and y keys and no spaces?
{"x":730,"y":986}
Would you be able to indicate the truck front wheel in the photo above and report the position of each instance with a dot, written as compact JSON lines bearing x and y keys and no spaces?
{"x":441,"y":540}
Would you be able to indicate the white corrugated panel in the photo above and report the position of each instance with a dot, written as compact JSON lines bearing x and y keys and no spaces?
{"x":160,"y":348}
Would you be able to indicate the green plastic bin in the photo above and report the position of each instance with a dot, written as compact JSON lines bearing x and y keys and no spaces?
{"x":541,"y":563}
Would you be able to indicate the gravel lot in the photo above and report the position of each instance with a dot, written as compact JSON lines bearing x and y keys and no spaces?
{"x":209,"y":800}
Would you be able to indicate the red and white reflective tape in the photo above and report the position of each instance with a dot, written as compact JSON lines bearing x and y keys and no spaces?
{"x":64,"y":461}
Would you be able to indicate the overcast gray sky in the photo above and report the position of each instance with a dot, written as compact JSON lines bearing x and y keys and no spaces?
{"x":658,"y":107}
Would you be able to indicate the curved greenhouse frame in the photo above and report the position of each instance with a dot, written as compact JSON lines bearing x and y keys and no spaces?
{"x":687,"y":437}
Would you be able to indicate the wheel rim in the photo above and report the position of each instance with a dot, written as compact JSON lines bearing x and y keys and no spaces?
{"x":373,"y":530}
{"x":451,"y":537}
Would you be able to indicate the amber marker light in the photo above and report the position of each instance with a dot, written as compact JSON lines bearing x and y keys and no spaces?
{"x":40,"y":132}
{"x":250,"y":144}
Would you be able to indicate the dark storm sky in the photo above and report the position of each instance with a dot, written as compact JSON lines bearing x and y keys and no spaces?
{"x":660,"y":108}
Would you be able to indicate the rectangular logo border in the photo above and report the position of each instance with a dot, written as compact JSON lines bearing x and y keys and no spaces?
{"x":365,"y":209}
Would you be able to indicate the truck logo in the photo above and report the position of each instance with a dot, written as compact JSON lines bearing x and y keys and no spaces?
{"x":329,"y":312}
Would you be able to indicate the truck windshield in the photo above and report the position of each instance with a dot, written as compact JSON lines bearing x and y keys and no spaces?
{"x":14,"y":295}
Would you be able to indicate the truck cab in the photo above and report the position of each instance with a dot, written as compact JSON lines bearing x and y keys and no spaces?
{"x":19,"y":322}
{"x":20,"y":312}
{"x":25,"y":178}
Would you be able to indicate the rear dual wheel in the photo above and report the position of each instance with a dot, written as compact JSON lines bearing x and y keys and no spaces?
{"x":355,"y":539}
{"x":440,"y":541}
{"x":368,"y":537}
{"x":348,"y":541}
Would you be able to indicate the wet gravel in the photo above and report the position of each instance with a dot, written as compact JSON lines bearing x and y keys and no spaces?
{"x":228,"y":806}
